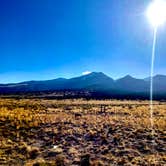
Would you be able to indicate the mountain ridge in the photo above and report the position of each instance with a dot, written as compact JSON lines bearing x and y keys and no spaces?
{"x":95,"y":81}
{"x":97,"y":73}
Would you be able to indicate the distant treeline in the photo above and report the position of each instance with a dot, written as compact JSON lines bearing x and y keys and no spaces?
{"x":75,"y":94}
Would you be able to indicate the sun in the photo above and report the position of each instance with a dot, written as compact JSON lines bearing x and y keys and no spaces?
{"x":156,"y":12}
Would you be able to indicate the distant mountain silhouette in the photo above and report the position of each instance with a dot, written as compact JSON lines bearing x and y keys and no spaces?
{"x":95,"y":81}
{"x":92,"y":81}
{"x":129,"y":83}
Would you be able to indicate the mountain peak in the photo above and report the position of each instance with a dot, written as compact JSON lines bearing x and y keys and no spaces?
{"x":156,"y":77}
{"x":127,"y":77}
{"x":159,"y":75}
{"x":97,"y":73}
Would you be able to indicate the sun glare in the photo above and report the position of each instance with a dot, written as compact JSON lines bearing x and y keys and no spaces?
{"x":156,"y":12}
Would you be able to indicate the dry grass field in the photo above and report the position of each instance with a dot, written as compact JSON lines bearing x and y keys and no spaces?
{"x":81,"y":132}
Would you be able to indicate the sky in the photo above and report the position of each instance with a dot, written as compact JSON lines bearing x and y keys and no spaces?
{"x":47,"y":39}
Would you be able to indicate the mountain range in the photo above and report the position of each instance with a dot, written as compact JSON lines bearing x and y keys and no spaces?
{"x":94,"y":82}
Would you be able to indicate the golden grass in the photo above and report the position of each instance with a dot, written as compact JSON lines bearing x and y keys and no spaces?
{"x":121,"y":135}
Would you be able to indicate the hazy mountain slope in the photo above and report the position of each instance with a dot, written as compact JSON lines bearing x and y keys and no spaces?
{"x":160,"y":84}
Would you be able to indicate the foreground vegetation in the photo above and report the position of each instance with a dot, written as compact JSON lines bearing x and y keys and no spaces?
{"x":80,"y":132}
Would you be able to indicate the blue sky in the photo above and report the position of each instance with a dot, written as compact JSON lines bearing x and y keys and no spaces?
{"x":46,"y":39}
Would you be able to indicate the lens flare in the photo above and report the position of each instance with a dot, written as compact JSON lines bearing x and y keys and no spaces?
{"x":156,"y":12}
